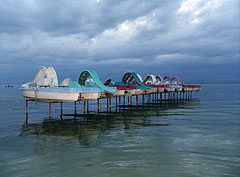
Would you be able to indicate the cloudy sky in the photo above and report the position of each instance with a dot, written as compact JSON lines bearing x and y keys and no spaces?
{"x":195,"y":39}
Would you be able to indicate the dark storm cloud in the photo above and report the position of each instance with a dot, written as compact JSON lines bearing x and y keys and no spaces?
{"x":68,"y":17}
{"x":126,"y":35}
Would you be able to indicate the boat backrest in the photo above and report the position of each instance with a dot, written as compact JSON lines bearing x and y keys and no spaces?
{"x":41,"y":73}
{"x":65,"y":82}
{"x":51,"y":73}
{"x":152,"y":81}
{"x":47,"y":82}
{"x":140,"y":77}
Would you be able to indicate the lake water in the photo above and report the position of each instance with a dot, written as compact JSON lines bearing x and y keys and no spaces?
{"x":200,"y":137}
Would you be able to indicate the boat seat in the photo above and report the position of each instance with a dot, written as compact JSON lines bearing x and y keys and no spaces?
{"x":89,"y":84}
{"x":108,"y":82}
{"x":65,"y":83}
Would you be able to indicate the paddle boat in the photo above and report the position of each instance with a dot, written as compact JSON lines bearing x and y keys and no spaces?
{"x":162,"y":83}
{"x":122,"y":90}
{"x":131,"y":78}
{"x":126,"y":87}
{"x":95,"y":82}
{"x":173,"y":88}
{"x":45,"y":86}
{"x":151,"y":80}
{"x":176,"y":81}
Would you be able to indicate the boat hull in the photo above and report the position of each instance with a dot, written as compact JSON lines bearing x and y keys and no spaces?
{"x":119,"y":93}
{"x":50,"y":96}
{"x":130,"y":92}
{"x":89,"y":96}
{"x":160,"y":89}
{"x":172,"y":89}
{"x":149,"y":91}
{"x":139,"y":92}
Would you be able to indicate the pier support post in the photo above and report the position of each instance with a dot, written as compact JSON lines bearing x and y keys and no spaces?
{"x":26,"y":111}
{"x":136,"y":99}
{"x":61,"y":111}
{"x":84,"y":106}
{"x":26,"y":106}
{"x":98,"y":104}
{"x":75,"y":107}
{"x":110,"y":103}
{"x":87,"y":107}
{"x":143,"y":98}
{"x":107,"y":104}
{"x":50,"y":106}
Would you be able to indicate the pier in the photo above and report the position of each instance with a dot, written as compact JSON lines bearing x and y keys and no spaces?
{"x":131,"y":91}
{"x":121,"y":102}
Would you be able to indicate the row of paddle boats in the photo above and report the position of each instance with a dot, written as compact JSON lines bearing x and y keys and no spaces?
{"x":89,"y":86}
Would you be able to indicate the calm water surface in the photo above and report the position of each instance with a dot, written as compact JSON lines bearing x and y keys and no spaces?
{"x":194,"y":138}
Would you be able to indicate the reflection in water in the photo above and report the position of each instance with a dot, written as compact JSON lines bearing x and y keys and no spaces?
{"x":86,"y":128}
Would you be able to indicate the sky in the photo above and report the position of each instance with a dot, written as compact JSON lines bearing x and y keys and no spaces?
{"x":197,"y":40}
